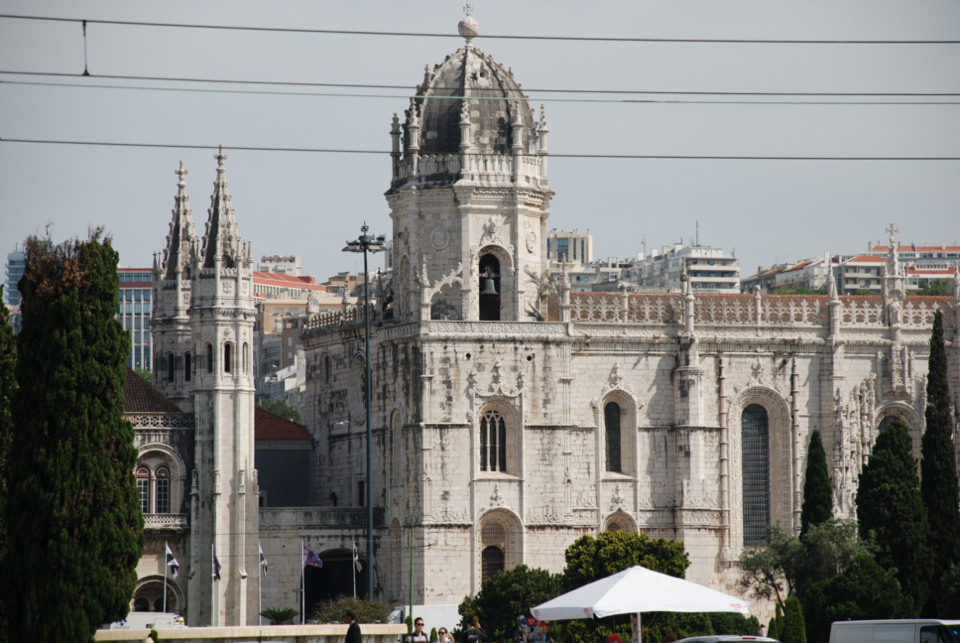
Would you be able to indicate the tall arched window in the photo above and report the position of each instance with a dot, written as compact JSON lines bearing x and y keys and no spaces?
{"x":186,"y":367}
{"x":493,"y":442}
{"x":493,"y":537}
{"x":163,"y":491}
{"x":490,"y":302}
{"x":755,"y":438}
{"x":141,"y":605}
{"x":143,"y":486}
{"x":209,"y":358}
{"x":170,"y":367}
{"x":227,"y":357}
{"x":611,"y":425}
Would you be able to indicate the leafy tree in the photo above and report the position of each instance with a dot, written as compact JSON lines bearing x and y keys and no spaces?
{"x":938,"y":486}
{"x":433,"y":634}
{"x":8,"y":386}
{"x":767,"y":571}
{"x":891,"y":512}
{"x":772,"y":627}
{"x":817,"y":490}
{"x":936,"y":287}
{"x":590,"y":559}
{"x":279,"y":615}
{"x":145,"y":373}
{"x":505,"y":595}
{"x":79,"y":536}
{"x":794,"y":629}
{"x":281,"y":408}
{"x":863,"y":591}
{"x":335,"y":610}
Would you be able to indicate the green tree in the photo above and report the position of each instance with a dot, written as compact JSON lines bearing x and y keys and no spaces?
{"x":794,"y":629}
{"x":817,"y":490}
{"x":279,"y":615}
{"x":8,"y":386}
{"x":891,"y":512}
{"x":70,"y":466}
{"x":281,"y":408}
{"x":590,"y":559}
{"x":335,"y":610}
{"x":936,"y":287}
{"x":505,"y":595}
{"x":938,"y":467}
{"x":767,"y":571}
{"x":772,"y":627}
{"x":863,"y":591}
{"x":146,"y":374}
{"x":433,"y":634}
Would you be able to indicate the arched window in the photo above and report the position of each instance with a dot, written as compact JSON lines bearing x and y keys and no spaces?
{"x":489,"y":276}
{"x":169,"y":367}
{"x":246,"y":358}
{"x":143,"y":486}
{"x":209,"y":358}
{"x":492,"y":562}
{"x":163,"y":491}
{"x":611,"y":425}
{"x":493,"y":442}
{"x":885,"y":423}
{"x":158,"y":605}
{"x":755,"y":439}
{"x":227,"y":355}
{"x":141,"y":605}
{"x":186,"y":367}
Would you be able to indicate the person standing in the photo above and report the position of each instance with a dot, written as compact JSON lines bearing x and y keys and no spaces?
{"x":418,"y":636}
{"x":353,"y":632}
{"x":443,"y":636}
{"x":473,"y":633}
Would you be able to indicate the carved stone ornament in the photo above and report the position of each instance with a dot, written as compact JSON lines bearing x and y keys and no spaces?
{"x":496,"y":500}
{"x":616,"y":502}
{"x":439,"y":238}
{"x":497,"y":386}
{"x":531,"y":241}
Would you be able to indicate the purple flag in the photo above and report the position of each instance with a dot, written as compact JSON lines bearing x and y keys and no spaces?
{"x":310,"y":557}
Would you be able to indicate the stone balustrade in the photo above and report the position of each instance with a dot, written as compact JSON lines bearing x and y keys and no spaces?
{"x":371,"y":633}
{"x":165,"y":521}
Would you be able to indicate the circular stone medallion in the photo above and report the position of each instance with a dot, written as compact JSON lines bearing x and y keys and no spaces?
{"x":531,"y":241}
{"x":439,"y":238}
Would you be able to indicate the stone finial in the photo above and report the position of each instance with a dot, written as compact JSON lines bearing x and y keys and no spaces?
{"x":543,"y":119}
{"x":220,"y":156}
{"x":892,"y":230}
{"x":464,"y":113}
{"x":468,"y":28}
{"x":181,"y":173}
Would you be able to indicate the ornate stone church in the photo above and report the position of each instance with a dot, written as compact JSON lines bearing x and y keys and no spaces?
{"x":509,"y":415}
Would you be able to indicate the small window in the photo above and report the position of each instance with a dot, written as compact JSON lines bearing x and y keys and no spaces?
{"x":141,"y":605}
{"x":209,"y":358}
{"x":169,"y":367}
{"x":493,"y":442}
{"x":492,"y":561}
{"x":227,"y":357}
{"x":611,"y":423}
{"x":143,"y":486}
{"x":163,"y":491}
{"x":361,"y":494}
{"x":186,"y":367}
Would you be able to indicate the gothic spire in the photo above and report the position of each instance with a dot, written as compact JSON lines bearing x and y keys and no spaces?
{"x":179,"y":253}
{"x":221,"y":240}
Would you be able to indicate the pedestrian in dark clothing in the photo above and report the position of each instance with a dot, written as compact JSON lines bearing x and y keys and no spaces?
{"x":353,"y":632}
{"x":473,"y":633}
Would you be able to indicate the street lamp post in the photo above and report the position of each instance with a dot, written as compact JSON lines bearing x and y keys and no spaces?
{"x":367,"y":243}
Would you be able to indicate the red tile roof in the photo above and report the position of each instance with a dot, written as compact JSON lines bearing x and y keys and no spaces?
{"x":270,"y":426}
{"x":139,"y":396}
{"x":867,"y":259}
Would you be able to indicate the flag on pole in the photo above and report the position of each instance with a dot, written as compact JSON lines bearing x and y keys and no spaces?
{"x":216,"y":566}
{"x":263,"y":561}
{"x":172,"y":563}
{"x":310,"y":557}
{"x":356,"y":558}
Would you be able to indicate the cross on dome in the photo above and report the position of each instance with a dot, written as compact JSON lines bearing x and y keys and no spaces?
{"x":468,"y":9}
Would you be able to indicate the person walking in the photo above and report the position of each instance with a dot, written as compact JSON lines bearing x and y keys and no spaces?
{"x":353,"y":632}
{"x":418,"y":636}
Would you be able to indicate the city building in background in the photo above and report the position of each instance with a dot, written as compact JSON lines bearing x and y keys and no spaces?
{"x":136,"y":289}
{"x":14,"y":270}
{"x":570,"y":246}
{"x":277,"y":285}
{"x":290,"y":265}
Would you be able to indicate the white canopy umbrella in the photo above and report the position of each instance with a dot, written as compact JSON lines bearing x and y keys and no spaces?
{"x":636,"y":590}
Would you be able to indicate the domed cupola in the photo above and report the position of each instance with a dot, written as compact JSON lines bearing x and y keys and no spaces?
{"x":468,"y":105}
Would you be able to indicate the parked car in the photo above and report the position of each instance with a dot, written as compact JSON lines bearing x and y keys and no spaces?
{"x":917,"y":630}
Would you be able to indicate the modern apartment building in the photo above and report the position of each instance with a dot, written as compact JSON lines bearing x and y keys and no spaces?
{"x":570,"y":246}
{"x":14,"y":270}
{"x":709,"y":269}
{"x":289,"y":265}
{"x":136,"y":291}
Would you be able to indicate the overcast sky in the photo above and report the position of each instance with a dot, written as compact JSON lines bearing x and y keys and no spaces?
{"x":310,"y":203}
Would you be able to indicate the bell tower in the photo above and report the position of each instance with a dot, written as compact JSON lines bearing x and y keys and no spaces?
{"x":225,"y":514}
{"x":469,"y":196}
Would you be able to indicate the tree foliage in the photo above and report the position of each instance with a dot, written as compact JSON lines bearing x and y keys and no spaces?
{"x":935,"y":287}
{"x":505,"y":595}
{"x":146,"y":374}
{"x":938,"y":486}
{"x":279,"y":615}
{"x":863,"y":591}
{"x":590,"y":559}
{"x":281,"y":408}
{"x":8,"y":386}
{"x":335,"y":610}
{"x":72,"y":561}
{"x":817,"y":490}
{"x":891,"y":513}
{"x":794,"y":629}
{"x":767,"y":571}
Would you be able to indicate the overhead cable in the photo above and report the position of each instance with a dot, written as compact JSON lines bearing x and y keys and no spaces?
{"x":346,"y":32}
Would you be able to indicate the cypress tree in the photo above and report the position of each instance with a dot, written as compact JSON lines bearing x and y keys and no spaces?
{"x":72,"y":558}
{"x":8,"y":384}
{"x":817,"y":491}
{"x":938,"y":468}
{"x":891,"y":512}
{"x":794,"y":629}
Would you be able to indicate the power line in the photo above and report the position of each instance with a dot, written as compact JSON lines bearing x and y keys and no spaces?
{"x":500,"y":37}
{"x":198,"y":90}
{"x":483,"y":89}
{"x":574,"y":156}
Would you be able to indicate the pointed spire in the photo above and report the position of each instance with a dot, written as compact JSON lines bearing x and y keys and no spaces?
{"x":221,"y":241}
{"x":179,"y":253}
